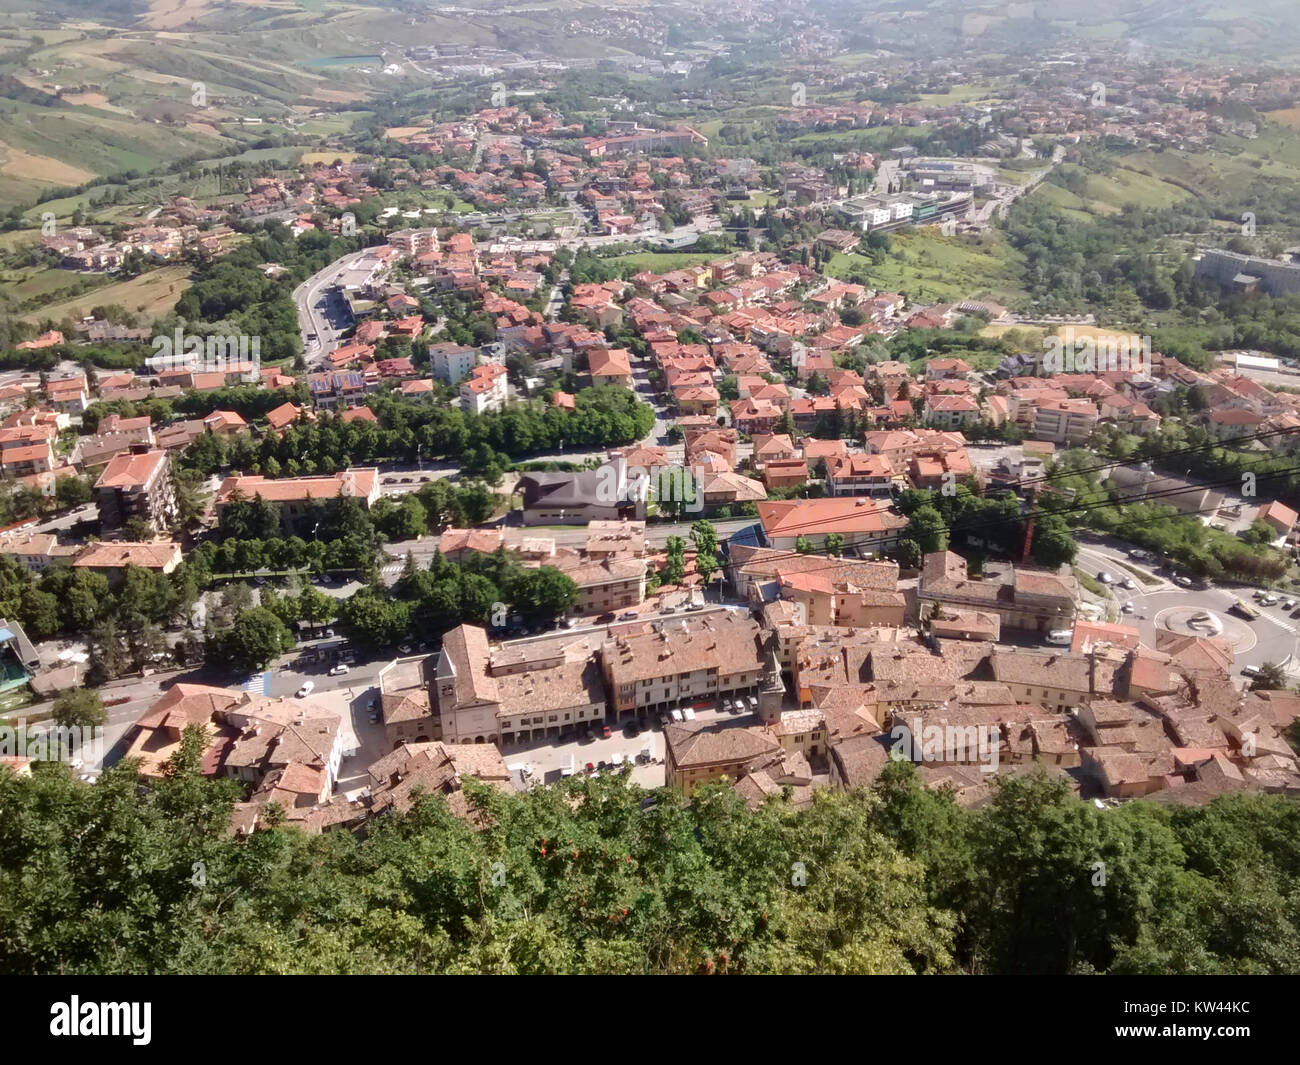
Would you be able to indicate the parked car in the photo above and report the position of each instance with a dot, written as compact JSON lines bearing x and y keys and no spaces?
{"x":753,"y":703}
{"x":374,"y":717}
{"x":677,"y":715}
{"x":1183,"y":582}
{"x":1289,"y":605}
{"x":306,"y":689}
{"x":1060,"y":637}
{"x":1129,"y":583}
{"x":1105,"y":577}
{"x":1128,"y":607}
{"x":688,"y":713}
{"x":627,"y":615}
{"x":339,"y":670}
{"x":605,"y":732}
{"x":1251,"y":671}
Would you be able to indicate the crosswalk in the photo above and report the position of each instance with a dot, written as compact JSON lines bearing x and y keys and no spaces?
{"x":258,"y":683}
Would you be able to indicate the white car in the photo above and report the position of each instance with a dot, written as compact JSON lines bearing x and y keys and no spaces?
{"x":306,"y":689}
{"x":1128,"y":607}
{"x":688,"y":713}
{"x":1061,"y":637}
{"x":339,"y":670}
{"x":1105,"y":577}
{"x":1129,"y":583}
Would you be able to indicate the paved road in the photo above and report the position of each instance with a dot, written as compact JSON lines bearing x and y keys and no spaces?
{"x":1274,"y":637}
{"x":311,"y":318}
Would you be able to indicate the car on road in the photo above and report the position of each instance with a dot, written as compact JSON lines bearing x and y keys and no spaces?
{"x":1129,"y":583}
{"x":1289,"y":604}
{"x":306,"y":689}
{"x":604,"y":619}
{"x":340,"y":670}
{"x":1128,"y":607}
{"x":1251,"y":671}
{"x":627,"y":615}
{"x":1105,"y":577}
{"x":1183,"y":582}
{"x":405,"y":648}
{"x":1269,"y":600}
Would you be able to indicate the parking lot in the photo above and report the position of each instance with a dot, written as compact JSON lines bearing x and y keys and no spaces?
{"x":643,"y":748}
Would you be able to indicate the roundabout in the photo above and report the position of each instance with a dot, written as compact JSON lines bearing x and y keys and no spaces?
{"x":1197,"y":620}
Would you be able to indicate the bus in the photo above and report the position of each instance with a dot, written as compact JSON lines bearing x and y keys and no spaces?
{"x":1245,"y":610}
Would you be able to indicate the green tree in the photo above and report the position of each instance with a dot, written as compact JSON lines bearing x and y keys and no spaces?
{"x":81,"y":708}
{"x":256,"y":637}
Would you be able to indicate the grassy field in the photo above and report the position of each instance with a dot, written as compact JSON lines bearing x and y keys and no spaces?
{"x":927,"y":266}
{"x":44,"y":283}
{"x":661,"y":262}
{"x":153,"y":294}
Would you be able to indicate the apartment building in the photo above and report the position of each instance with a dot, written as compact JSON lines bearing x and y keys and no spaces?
{"x":696,"y":754}
{"x":950,"y":411}
{"x":859,"y":474}
{"x":862,"y":522}
{"x":485,"y":389}
{"x":527,"y":690}
{"x":414,"y":242}
{"x":298,"y":498}
{"x":1038,"y":600}
{"x":604,"y":584}
{"x":26,"y":450}
{"x":1065,"y":421}
{"x":683,"y":663}
{"x":136,"y":484}
{"x":452,"y":363}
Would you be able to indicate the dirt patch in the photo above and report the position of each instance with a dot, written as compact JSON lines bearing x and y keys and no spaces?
{"x":20,"y":164}
{"x":327,"y":158}
{"x":153,"y":294}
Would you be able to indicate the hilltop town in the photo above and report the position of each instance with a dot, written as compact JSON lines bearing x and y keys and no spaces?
{"x":740,"y":519}
{"x":708,"y":416}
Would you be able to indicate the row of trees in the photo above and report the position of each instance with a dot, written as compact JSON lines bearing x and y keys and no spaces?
{"x":995,"y":524}
{"x":601,"y":876}
{"x":408,"y":430}
{"x":486,"y":589}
